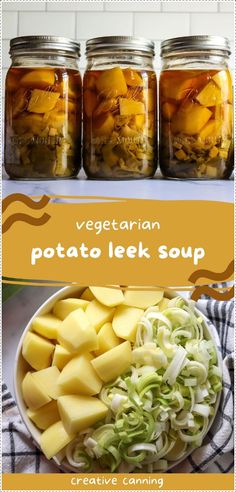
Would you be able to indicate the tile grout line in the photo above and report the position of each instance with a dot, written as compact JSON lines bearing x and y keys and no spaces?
{"x":18,"y":23}
{"x":75,"y":26}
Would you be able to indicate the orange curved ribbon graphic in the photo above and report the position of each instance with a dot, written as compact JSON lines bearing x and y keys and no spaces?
{"x":24,"y":218}
{"x":29,"y":202}
{"x":213,"y":275}
{"x":209,"y":291}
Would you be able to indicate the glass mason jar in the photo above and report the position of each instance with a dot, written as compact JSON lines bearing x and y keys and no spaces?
{"x":196,"y":109}
{"x":43,"y":108}
{"x":120,"y":109}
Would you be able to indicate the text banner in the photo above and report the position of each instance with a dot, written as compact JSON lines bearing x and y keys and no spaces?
{"x":127,"y":242}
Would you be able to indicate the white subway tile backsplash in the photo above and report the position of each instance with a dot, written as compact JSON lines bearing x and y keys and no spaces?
{"x":91,"y":25}
{"x":136,"y":6}
{"x":159,"y":26}
{"x":213,"y":24}
{"x":192,"y":6}
{"x":84,"y":19}
{"x":75,"y":6}
{"x":9,"y":25}
{"x":47,"y":23}
{"x":24,"y":5}
{"x":5,"y":53}
{"x":226,"y":6}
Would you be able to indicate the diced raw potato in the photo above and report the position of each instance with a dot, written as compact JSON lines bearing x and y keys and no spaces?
{"x":44,"y":416}
{"x":108,"y":297}
{"x":114,"y":362}
{"x":76,"y":332}
{"x":142,"y":298}
{"x":112,"y":83}
{"x":64,"y":307}
{"x":190,"y":119}
{"x":125,"y":322}
{"x":46,"y":325}
{"x":37,"y":351}
{"x":224,"y":82}
{"x":79,"y":377}
{"x":87,"y":295}
{"x":61,"y":357}
{"x":149,"y":99}
{"x":129,"y":106}
{"x":48,"y":379}
{"x":133,"y":79}
{"x":163,"y":304}
{"x":90,"y":102}
{"x":210,"y":95}
{"x":55,"y":438}
{"x":38,"y":78}
{"x":42,"y":101}
{"x":33,"y":392}
{"x":107,"y":339}
{"x":103,"y":125}
{"x":168,"y":109}
{"x":98,"y":314}
{"x":80,"y":412}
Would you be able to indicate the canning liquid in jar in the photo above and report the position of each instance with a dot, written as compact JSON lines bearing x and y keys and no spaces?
{"x":120,"y":134}
{"x":196,"y":123}
{"x":42,"y":122}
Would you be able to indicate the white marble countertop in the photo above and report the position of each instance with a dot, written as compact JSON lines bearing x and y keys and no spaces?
{"x":157,"y":188}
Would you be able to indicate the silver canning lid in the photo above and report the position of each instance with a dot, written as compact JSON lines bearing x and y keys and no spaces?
{"x":120,"y":42}
{"x":195,"y":43}
{"x":37,"y":43}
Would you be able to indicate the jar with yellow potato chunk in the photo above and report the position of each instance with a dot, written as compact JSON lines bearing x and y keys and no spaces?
{"x":196,"y":108}
{"x":120,"y":106}
{"x":43,"y":109}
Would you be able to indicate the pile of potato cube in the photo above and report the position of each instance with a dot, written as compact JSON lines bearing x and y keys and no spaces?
{"x":76,"y":348}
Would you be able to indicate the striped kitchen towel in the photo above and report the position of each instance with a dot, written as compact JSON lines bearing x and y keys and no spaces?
{"x":20,"y":455}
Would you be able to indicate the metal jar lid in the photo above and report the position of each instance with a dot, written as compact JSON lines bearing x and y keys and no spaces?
{"x":24,"y":44}
{"x":110,"y":43}
{"x":195,"y":43}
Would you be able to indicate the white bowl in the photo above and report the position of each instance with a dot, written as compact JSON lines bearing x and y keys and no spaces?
{"x":21,"y":367}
